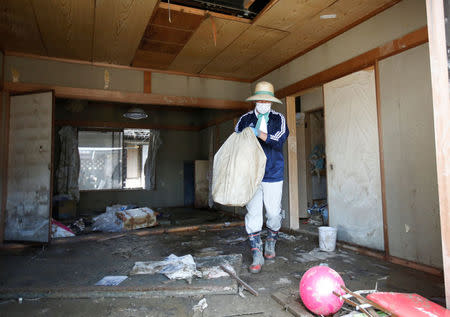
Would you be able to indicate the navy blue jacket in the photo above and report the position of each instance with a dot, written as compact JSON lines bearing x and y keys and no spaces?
{"x":277,"y":133}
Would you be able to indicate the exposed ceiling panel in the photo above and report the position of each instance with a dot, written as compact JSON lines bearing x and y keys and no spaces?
{"x":200,"y":49}
{"x":247,"y":46}
{"x":119,"y":26}
{"x":287,"y":13}
{"x":18,"y":28}
{"x":73,"y":36}
{"x":165,"y":37}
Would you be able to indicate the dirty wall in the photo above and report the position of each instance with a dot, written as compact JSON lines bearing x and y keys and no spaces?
{"x":49,"y":72}
{"x":409,"y":157}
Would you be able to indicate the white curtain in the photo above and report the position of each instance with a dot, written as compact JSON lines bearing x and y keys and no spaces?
{"x":154,"y":142}
{"x":69,"y":163}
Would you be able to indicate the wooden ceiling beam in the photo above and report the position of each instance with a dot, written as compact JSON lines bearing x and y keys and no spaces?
{"x":128,"y":97}
{"x":180,"y":8}
{"x":98,"y":64}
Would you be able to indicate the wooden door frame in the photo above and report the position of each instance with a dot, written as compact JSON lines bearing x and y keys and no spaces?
{"x":6,"y":161}
{"x":441,"y":110}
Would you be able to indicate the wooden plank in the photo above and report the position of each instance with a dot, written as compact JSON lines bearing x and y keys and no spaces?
{"x":5,"y":155}
{"x":311,"y":32}
{"x":362,"y":61}
{"x":18,"y":28}
{"x":441,"y":108}
{"x":128,"y":97}
{"x":292,"y":164}
{"x":246,"y":47}
{"x":97,"y":64}
{"x":248,"y":4}
{"x":200,"y":49}
{"x":416,"y":266}
{"x":147,"y":82}
{"x":124,"y":125}
{"x":153,"y":59}
{"x":178,"y":19}
{"x":66,"y":27}
{"x":167,"y":34}
{"x":307,"y":154}
{"x":381,"y":150}
{"x":280,"y":18}
{"x":292,"y":304}
{"x":119,"y":26}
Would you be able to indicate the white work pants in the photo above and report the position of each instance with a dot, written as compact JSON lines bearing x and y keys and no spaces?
{"x":270,"y":194}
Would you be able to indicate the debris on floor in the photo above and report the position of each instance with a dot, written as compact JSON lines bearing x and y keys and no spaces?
{"x":111,"y":280}
{"x":114,"y":220}
{"x":286,"y":236}
{"x":201,"y":306}
{"x":60,"y":231}
{"x":78,"y":226}
{"x":173,"y":267}
{"x":315,"y":255}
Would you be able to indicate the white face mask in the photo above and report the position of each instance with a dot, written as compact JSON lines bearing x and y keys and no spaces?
{"x":263,"y":107}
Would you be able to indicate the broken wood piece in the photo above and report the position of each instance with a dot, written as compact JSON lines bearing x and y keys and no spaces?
{"x":233,"y":275}
{"x":360,"y":307}
{"x":291,"y":304}
{"x":362,"y":299}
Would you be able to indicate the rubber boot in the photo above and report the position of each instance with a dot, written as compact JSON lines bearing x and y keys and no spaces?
{"x":271,"y":240}
{"x":257,"y":252}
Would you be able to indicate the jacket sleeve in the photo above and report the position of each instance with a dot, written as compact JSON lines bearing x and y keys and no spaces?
{"x":277,"y":139}
{"x":242,"y":123}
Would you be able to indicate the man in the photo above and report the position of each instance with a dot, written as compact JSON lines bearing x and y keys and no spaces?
{"x":271,"y":129}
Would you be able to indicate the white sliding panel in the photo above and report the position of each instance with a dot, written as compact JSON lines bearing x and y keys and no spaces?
{"x":353,"y":162}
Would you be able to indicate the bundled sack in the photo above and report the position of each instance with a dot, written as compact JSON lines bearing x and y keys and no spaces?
{"x":238,"y":170}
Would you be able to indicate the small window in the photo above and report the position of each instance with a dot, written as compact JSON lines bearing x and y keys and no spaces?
{"x":112,"y":159}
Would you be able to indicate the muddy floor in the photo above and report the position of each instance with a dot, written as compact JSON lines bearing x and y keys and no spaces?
{"x":84,"y":263}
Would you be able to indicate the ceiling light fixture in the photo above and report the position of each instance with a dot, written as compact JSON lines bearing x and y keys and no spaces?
{"x":328,"y":16}
{"x":135,"y":114}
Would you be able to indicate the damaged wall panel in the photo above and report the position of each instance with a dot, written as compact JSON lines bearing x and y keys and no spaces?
{"x":29,"y":167}
{"x":353,"y":162}
{"x":409,"y":157}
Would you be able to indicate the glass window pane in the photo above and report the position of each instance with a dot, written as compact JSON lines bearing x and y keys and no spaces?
{"x":100,"y":160}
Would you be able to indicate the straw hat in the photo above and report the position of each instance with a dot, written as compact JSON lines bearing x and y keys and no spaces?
{"x":264,"y":92}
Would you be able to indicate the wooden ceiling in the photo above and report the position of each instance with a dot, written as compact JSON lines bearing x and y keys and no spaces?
{"x":139,"y":33}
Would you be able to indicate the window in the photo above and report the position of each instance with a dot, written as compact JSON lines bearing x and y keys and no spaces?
{"x":112,"y":159}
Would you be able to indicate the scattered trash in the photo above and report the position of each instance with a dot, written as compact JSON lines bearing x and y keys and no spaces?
{"x":60,"y":231}
{"x":234,"y":241}
{"x":285,"y":236}
{"x":215,"y":272}
{"x":114,"y":220}
{"x":283,"y":258}
{"x":201,"y":306}
{"x":315,"y":255}
{"x":283,"y":281}
{"x":20,"y":300}
{"x":111,"y":280}
{"x":241,"y":291}
{"x":318,"y":214}
{"x":209,"y":252}
{"x":78,"y":226}
{"x":173,"y":267}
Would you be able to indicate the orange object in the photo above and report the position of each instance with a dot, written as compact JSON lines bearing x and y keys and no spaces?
{"x":408,"y":305}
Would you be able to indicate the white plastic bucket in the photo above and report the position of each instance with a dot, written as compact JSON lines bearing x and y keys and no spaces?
{"x":327,"y":238}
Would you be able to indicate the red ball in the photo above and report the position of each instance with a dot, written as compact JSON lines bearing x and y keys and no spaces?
{"x":316,"y":290}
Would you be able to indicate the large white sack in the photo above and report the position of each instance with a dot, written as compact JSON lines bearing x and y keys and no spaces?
{"x":238,"y":169}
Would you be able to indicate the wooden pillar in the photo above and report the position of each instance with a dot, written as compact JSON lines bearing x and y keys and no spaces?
{"x":441,"y":108}
{"x":147,"y":82}
{"x":292,"y":163}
